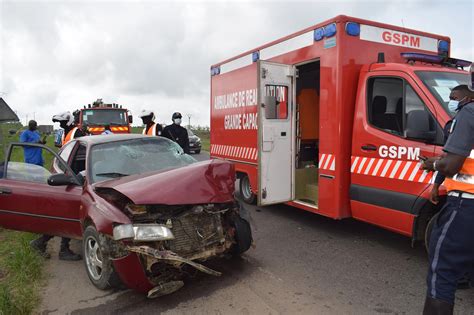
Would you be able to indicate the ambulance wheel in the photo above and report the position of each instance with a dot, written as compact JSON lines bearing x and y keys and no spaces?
{"x":246,"y":190}
{"x":429,"y":229}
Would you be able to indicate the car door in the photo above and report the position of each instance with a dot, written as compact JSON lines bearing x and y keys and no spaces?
{"x":29,"y":203}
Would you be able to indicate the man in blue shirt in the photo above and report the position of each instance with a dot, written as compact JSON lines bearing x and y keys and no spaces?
{"x":31,"y":135}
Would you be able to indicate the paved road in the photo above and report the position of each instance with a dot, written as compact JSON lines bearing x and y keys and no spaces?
{"x":302,"y":263}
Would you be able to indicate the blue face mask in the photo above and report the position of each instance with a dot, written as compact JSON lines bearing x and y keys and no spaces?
{"x":453,"y":105}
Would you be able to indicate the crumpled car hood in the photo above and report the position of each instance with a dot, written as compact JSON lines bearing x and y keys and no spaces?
{"x":203,"y":182}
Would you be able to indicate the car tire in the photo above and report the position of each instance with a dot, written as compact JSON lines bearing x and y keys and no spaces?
{"x":243,"y":236}
{"x":98,"y":264}
{"x":428,"y":230}
{"x":245,"y":190}
{"x":197,"y":151}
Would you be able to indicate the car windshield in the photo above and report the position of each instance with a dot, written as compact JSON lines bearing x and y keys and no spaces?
{"x":135,"y":156}
{"x":441,"y":83}
{"x":104,"y":117}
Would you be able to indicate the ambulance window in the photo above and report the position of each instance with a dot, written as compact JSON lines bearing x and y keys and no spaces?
{"x":385,"y":104}
{"x":278,"y":108}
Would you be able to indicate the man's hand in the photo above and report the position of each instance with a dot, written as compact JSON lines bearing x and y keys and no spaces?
{"x":427,"y":163}
{"x":434,"y":196}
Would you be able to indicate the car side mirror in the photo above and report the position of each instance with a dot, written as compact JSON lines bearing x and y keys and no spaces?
{"x":130,"y":119}
{"x":418,"y":126}
{"x":270,"y":106}
{"x":61,"y":180}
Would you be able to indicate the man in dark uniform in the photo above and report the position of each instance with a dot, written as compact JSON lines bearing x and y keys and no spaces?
{"x":177,"y":133}
{"x":452,"y":244}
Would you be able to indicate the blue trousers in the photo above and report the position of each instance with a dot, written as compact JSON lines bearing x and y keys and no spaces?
{"x":451,"y":248}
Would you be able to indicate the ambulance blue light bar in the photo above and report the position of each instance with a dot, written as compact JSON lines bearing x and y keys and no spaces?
{"x":215,"y":70}
{"x":459,"y":62}
{"x":352,"y":29}
{"x":330,"y":30}
{"x":255,"y":56}
{"x":319,"y":34}
{"x":422,"y":57}
{"x":443,"y":46}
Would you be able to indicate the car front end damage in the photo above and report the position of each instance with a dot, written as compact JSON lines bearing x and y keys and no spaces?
{"x":174,"y":241}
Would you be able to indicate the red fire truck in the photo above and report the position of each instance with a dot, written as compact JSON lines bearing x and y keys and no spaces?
{"x":332,"y":120}
{"x":98,"y":115}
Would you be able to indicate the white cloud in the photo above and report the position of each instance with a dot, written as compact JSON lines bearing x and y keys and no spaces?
{"x":59,"y":55}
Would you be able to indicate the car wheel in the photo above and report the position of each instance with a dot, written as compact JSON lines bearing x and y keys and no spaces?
{"x":246,"y":190}
{"x":428,"y":230}
{"x":98,"y":264}
{"x":243,"y":236}
{"x":197,"y":151}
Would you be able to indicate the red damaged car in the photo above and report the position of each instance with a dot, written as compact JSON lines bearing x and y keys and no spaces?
{"x":147,"y":213}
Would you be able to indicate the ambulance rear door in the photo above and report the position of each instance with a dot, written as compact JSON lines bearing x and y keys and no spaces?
{"x":276,"y":158}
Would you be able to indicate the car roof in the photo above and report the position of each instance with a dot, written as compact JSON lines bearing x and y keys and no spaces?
{"x":97,"y":139}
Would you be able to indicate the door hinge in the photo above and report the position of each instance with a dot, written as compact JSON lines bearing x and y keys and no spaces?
{"x":297,"y":73}
{"x":264,"y":193}
{"x":264,"y":73}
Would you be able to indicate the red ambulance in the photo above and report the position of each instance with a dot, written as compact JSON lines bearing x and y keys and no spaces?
{"x":332,"y":120}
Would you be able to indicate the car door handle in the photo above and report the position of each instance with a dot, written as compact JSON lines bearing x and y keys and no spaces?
{"x":369,"y":147}
{"x":5,"y":191}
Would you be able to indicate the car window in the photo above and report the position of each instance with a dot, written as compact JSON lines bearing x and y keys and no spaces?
{"x":135,"y":156}
{"x":64,"y":154}
{"x":29,"y":163}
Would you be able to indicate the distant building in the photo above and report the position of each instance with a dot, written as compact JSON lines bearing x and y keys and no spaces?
{"x":46,"y":129}
{"x":6,"y":113}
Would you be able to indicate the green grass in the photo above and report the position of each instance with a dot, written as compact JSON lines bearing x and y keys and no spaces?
{"x":20,"y":267}
{"x":20,"y":273}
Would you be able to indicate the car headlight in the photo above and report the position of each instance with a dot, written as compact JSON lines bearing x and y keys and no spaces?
{"x":143,"y":232}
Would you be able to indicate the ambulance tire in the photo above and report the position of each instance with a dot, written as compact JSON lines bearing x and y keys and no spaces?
{"x":429,"y":228}
{"x":245,"y":190}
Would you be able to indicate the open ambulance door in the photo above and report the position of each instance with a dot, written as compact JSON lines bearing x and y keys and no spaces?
{"x":275,"y":135}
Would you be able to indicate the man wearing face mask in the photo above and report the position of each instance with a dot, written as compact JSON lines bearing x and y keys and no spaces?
{"x":451,"y":247}
{"x":177,"y":133}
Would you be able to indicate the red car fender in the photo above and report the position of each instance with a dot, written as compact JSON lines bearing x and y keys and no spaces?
{"x":132,"y":274}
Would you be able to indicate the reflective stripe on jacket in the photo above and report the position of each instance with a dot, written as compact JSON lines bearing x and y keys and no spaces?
{"x":151,"y":131}
{"x":464,"y":180}
{"x":69,"y":136}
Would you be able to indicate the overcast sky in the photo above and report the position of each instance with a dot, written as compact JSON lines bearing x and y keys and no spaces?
{"x":58,"y":55}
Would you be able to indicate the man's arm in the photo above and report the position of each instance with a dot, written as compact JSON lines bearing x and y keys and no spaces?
{"x":186,"y":142}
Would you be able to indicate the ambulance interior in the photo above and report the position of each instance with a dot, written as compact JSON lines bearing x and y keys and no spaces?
{"x":307,"y":133}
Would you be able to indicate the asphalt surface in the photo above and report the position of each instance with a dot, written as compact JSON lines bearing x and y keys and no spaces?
{"x":301,"y":263}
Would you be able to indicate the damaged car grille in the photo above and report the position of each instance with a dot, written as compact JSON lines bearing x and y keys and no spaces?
{"x":195,"y":232}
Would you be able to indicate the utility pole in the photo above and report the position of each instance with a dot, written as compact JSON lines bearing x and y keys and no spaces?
{"x":189,"y":120}
{"x":26,"y":124}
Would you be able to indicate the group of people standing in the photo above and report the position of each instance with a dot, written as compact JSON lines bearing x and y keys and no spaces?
{"x":173,"y":132}
{"x":33,"y":155}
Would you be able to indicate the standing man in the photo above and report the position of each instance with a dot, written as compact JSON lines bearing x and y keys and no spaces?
{"x":151,"y":128}
{"x":451,"y":247}
{"x":66,"y":121}
{"x":33,"y":155}
{"x":177,"y":133}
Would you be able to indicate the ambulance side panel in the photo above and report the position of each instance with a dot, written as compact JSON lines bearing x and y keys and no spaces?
{"x":234,"y":119}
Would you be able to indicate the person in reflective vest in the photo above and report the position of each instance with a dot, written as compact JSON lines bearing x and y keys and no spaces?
{"x":451,"y":247}
{"x":66,"y":121}
{"x":151,"y":128}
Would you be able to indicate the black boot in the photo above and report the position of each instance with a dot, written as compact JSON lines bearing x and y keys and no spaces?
{"x":437,"y":307}
{"x":39,"y":245}
{"x":65,"y":253}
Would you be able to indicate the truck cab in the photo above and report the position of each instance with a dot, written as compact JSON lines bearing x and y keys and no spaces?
{"x":98,"y":115}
